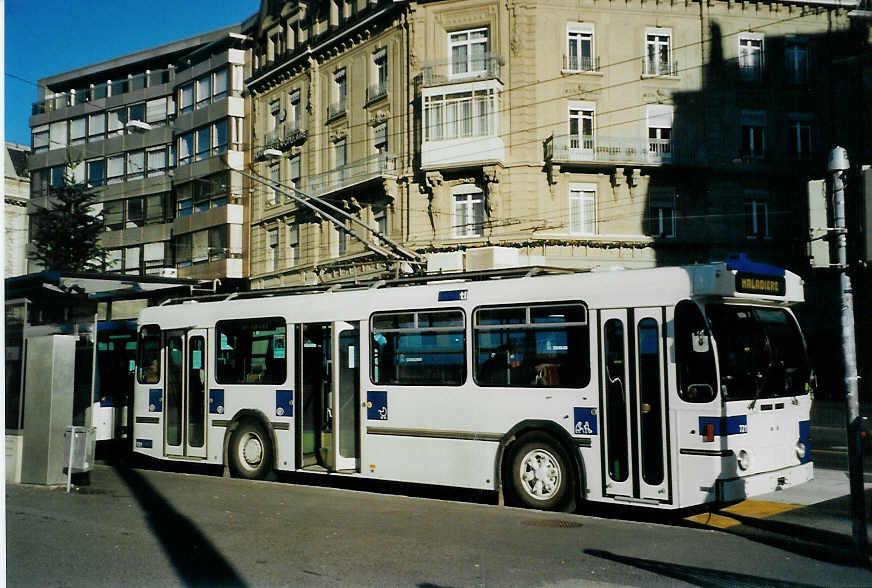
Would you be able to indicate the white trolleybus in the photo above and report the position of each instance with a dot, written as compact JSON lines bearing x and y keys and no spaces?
{"x":667,"y":387}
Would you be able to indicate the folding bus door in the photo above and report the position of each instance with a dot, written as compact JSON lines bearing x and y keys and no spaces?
{"x":615,"y":403}
{"x":650,"y":403}
{"x":185,"y":412}
{"x":329,"y":424}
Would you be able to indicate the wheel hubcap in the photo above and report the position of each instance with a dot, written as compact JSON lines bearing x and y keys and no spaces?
{"x":252,"y":450}
{"x":540,"y":474}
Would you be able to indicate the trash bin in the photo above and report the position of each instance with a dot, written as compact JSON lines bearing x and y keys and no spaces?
{"x":80,"y":442}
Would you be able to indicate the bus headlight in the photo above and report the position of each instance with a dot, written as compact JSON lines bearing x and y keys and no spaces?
{"x":800,"y":450}
{"x":744,"y":460}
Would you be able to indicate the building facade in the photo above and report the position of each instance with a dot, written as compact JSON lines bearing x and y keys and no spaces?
{"x":156,"y":134}
{"x":573,"y":133}
{"x":16,"y":193}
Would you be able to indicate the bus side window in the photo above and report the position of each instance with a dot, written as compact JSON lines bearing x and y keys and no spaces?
{"x":149,"y":355}
{"x":694,"y":355}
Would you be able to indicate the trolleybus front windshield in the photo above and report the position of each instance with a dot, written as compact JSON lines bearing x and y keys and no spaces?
{"x":760,"y":351}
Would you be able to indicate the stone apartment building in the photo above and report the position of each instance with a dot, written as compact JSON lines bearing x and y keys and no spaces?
{"x":16,"y":193}
{"x":156,"y":134}
{"x":572,"y":133}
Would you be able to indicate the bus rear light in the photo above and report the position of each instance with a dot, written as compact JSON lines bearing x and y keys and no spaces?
{"x":800,"y":450}
{"x":744,"y":460}
{"x":708,"y":433}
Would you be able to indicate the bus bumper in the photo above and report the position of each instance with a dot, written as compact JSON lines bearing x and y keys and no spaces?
{"x":745,"y":487}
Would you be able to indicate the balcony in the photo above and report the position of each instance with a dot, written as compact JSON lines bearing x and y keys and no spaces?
{"x":446,"y":71}
{"x":618,"y":150}
{"x":283,"y":137}
{"x":580,"y":64}
{"x":355,"y":173}
{"x":102,"y":90}
{"x":335,"y":110}
{"x":659,"y":67}
{"x":376,"y":91}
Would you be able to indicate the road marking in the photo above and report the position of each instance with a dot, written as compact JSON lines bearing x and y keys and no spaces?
{"x":757,"y":509}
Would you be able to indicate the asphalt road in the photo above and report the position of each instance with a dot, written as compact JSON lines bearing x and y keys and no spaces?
{"x":137,"y":527}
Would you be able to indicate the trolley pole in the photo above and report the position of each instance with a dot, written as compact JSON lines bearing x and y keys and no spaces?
{"x":838,"y":166}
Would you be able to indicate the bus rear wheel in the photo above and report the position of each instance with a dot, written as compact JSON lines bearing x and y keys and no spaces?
{"x":541,"y":475}
{"x":250,"y":451}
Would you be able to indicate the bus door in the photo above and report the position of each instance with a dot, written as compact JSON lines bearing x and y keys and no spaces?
{"x":185,"y":410}
{"x":329,"y":427}
{"x":633,"y":404}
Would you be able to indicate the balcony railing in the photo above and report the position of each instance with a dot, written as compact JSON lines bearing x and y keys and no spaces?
{"x":581,"y":63}
{"x":447,"y":71}
{"x":659,"y":67}
{"x":283,"y":137}
{"x":102,"y":90}
{"x":354,"y":173}
{"x":376,"y":91}
{"x":336,"y":109}
{"x":751,"y":71}
{"x":599,"y":149}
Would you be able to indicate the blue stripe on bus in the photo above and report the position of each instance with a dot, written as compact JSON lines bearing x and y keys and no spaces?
{"x":741,"y":262}
{"x":724,"y":426}
{"x":155,"y":400}
{"x":377,"y":405}
{"x":804,"y":438}
{"x":216,"y":400}
{"x":452,"y":295}
{"x":285,"y":403}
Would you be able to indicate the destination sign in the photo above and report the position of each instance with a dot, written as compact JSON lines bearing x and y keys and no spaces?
{"x":759,"y":284}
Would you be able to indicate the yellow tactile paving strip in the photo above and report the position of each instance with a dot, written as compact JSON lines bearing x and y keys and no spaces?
{"x":757,"y":509}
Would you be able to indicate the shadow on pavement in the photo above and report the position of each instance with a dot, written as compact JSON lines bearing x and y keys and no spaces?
{"x":196,"y":560}
{"x":694,"y":575}
{"x":800,"y":532}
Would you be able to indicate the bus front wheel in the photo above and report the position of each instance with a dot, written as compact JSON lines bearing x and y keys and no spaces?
{"x":540,"y":473}
{"x":250,"y":451}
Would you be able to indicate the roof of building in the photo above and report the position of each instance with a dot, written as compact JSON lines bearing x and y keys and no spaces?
{"x":16,"y":160}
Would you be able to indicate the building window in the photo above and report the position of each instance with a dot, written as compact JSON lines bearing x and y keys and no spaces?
{"x":294,"y":111}
{"x":115,"y":169}
{"x":218,"y":243}
{"x":380,"y":220}
{"x":157,"y":161}
{"x":204,"y":142}
{"x":756,"y":214}
{"x":460,"y":114}
{"x":275,"y":179}
{"x":156,"y":111}
{"x":272,"y":243}
{"x":582,"y":209}
{"x":78,"y":128}
{"x":116,"y":119}
{"x":132,"y":256}
{"x":136,"y":112}
{"x":340,"y":154}
{"x":659,"y":118}
{"x":293,"y":244}
{"x":186,"y":148}
{"x":341,"y":241}
{"x":58,"y":135}
{"x":753,"y":133}
{"x":96,"y":172}
{"x":135,"y":165}
{"x":272,"y":119}
{"x":579,"y":52}
{"x":204,"y":91}
{"x":750,"y":56}
{"x":340,"y":93}
{"x":658,"y":53}
{"x":469,"y":52}
{"x":183,"y":245}
{"x":379,"y":74}
{"x":135,"y":212}
{"x":581,"y":125}
{"x":186,"y":99}
{"x":40,"y":139}
{"x":799,"y":139}
{"x":661,"y":220}
{"x":468,"y":211}
{"x":796,"y":62}
{"x":294,"y":172}
{"x":219,"y":90}
{"x":221,"y":138}
{"x":380,"y":138}
{"x":96,"y":127}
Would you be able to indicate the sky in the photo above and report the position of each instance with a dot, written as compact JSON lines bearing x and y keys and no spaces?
{"x":48,"y":37}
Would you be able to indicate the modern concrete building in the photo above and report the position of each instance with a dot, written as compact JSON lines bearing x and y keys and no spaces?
{"x":572,"y":133}
{"x":16,"y":193}
{"x":156,"y":134}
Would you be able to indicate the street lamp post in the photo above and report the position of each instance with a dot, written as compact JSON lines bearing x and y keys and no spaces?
{"x":838,"y":166}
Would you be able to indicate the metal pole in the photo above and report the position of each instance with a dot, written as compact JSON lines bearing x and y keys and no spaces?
{"x":838,"y":167}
